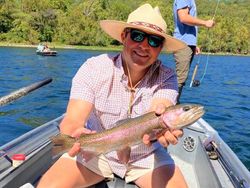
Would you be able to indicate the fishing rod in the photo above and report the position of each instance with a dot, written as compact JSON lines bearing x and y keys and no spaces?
{"x":196,"y":83}
{"x":23,"y":91}
{"x":238,"y":178}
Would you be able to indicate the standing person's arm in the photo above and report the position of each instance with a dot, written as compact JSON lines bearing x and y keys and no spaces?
{"x":187,"y":19}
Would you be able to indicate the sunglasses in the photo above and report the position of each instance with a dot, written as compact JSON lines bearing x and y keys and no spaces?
{"x":139,"y":36}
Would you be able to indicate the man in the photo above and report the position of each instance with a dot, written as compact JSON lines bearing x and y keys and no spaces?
{"x":110,"y":88}
{"x":186,"y":30}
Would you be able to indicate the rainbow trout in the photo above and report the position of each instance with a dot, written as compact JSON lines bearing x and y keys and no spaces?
{"x":129,"y":132}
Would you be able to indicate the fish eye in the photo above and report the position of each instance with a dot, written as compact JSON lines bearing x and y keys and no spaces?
{"x":186,"y":108}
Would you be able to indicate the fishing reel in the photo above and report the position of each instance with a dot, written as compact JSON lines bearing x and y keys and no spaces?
{"x":196,"y":83}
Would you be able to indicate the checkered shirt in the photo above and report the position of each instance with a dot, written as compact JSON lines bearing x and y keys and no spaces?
{"x":101,"y":81}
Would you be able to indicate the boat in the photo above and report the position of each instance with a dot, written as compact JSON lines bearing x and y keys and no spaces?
{"x":44,"y":50}
{"x":203,"y":157}
{"x":47,"y":53}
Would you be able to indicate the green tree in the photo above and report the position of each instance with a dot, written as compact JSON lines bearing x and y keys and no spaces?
{"x":7,"y":9}
{"x":76,"y":22}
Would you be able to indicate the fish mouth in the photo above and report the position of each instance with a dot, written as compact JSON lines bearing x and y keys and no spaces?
{"x":191,"y":113}
{"x":194,"y":109}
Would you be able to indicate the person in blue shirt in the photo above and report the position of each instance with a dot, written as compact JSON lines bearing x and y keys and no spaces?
{"x":186,"y":30}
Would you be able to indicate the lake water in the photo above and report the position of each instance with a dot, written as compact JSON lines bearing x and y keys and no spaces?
{"x":224,"y":91}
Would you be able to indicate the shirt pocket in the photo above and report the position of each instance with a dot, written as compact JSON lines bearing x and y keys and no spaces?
{"x":108,"y":112}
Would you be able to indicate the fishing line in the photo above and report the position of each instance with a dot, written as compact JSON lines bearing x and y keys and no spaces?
{"x":196,"y":83}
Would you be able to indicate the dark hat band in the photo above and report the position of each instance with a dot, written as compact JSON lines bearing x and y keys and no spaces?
{"x":152,"y":26}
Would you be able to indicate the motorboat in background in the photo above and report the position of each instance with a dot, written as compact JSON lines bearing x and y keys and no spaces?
{"x":44,"y":50}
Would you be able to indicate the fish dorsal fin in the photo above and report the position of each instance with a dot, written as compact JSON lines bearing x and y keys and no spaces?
{"x":88,"y":155}
{"x":119,"y":122}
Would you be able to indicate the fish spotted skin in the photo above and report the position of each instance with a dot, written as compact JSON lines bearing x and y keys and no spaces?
{"x":129,"y":132}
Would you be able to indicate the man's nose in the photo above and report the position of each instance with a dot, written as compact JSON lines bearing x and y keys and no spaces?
{"x":144,"y":43}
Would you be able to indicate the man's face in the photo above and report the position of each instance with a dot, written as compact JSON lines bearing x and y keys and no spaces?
{"x":138,"y":51}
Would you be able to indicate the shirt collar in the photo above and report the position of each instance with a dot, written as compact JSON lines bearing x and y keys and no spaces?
{"x":151,"y":72}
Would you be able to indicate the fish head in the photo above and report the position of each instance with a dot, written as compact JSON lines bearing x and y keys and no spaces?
{"x":182,"y":115}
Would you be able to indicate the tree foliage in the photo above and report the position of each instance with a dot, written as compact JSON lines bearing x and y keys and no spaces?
{"x":76,"y":22}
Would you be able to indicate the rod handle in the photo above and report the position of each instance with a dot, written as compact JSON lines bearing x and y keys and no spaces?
{"x":194,"y":74}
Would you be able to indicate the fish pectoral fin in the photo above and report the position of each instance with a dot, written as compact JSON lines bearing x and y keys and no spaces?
{"x":124,"y":154}
{"x":156,"y":133}
{"x":88,"y":155}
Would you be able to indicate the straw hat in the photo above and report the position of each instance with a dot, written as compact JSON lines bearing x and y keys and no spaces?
{"x":144,"y":18}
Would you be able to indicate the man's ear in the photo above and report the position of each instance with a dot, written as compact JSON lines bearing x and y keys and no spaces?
{"x":123,"y":36}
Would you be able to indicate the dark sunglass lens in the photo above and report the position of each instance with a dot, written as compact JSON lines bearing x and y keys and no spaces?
{"x":155,"y":41}
{"x":137,"y":36}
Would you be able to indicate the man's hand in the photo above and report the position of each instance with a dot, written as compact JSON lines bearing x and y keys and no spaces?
{"x":167,"y":137}
{"x":197,"y":50}
{"x":209,"y":23}
{"x":76,"y":148}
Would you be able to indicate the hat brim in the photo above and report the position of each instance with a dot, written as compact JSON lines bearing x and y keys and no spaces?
{"x":114,"y":29}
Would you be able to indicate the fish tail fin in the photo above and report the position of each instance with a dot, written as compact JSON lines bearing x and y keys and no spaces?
{"x":61,"y":143}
